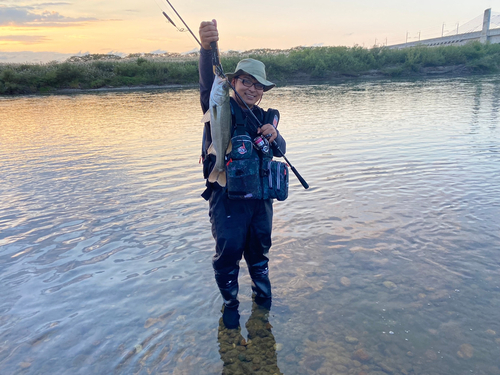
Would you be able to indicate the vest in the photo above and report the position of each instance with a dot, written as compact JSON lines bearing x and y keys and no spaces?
{"x":250,"y":171}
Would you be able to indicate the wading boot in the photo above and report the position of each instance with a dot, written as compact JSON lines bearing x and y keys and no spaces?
{"x":261,"y":286}
{"x":230,"y":317}
{"x":228,"y":286}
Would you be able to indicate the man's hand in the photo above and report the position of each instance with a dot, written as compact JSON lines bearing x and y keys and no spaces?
{"x":208,"y":33}
{"x":269,"y":132}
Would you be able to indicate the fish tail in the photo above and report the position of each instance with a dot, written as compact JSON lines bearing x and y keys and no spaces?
{"x":218,"y":176}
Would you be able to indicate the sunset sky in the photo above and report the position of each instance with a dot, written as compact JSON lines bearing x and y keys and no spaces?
{"x":42,"y":31}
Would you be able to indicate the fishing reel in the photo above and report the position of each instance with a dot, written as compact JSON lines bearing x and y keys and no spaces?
{"x":261,"y":143}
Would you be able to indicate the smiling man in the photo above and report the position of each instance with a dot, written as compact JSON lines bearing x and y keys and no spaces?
{"x":241,"y":220}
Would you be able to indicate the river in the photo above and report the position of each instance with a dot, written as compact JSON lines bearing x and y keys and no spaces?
{"x":389,"y":264}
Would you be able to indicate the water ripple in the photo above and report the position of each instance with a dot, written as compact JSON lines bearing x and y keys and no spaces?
{"x":105,"y":242}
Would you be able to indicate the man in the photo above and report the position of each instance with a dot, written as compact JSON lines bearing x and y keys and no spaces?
{"x":240,"y":227}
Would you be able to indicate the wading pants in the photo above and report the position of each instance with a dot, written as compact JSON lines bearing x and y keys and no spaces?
{"x":240,"y":228}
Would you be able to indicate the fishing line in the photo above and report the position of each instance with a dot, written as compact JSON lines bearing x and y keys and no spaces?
{"x":172,"y":22}
{"x":169,"y":20}
{"x":185,"y":24}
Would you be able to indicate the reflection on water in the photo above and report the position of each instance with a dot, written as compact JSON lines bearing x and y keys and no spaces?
{"x":256,"y":354}
{"x":387,"y":265}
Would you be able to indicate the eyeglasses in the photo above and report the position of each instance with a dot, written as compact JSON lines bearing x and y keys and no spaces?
{"x":248,"y":83}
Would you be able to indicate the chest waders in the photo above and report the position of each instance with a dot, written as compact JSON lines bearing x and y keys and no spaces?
{"x":242,"y":220}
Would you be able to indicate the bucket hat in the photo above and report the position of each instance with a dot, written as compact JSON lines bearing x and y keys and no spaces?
{"x":255,"y":68}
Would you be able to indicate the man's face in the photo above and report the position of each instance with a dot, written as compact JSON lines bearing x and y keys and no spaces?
{"x":250,"y":95}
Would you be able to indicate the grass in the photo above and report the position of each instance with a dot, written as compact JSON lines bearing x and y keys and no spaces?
{"x":96,"y":71}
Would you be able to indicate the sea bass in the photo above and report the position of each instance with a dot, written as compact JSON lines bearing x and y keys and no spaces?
{"x":220,"y":125}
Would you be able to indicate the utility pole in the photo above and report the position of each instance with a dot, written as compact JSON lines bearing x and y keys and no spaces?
{"x":419,"y":36}
{"x":406,"y":38}
{"x":486,"y":26}
{"x":442,"y":30}
{"x":458,"y":23}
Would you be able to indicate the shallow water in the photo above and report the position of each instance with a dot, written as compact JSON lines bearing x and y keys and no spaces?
{"x":388,"y":264}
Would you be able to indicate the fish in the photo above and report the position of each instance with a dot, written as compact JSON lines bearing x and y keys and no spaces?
{"x":219,"y":115}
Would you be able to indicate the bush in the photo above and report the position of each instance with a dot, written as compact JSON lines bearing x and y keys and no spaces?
{"x":94,"y":71}
{"x":67,"y":72}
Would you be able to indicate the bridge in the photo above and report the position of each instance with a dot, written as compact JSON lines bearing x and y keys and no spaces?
{"x":485,"y":35}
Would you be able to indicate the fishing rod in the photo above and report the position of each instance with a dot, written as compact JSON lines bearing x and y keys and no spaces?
{"x":219,"y":71}
{"x":218,"y":67}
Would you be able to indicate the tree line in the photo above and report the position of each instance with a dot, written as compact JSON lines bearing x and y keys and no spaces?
{"x":301,"y":64}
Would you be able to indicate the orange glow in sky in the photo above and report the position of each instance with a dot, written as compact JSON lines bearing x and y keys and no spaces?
{"x":131,"y":26}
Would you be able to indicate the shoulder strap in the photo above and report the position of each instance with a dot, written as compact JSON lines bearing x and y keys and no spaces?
{"x":240,"y":121}
{"x":272,"y":116}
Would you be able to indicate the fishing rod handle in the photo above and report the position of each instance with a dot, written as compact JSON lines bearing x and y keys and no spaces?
{"x":300,"y":178}
{"x":215,"y":54}
{"x":295,"y":172}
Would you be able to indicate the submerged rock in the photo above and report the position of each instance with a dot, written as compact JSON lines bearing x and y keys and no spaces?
{"x":361,"y":355}
{"x":430,"y":355}
{"x":351,"y":340}
{"x":345,"y":281}
{"x":313,"y":362}
{"x":466,"y":351}
{"x":389,"y":284}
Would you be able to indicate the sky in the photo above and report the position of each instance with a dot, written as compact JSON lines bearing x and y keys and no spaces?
{"x":41,"y":31}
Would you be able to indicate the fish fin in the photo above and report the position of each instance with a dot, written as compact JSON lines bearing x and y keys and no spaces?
{"x":217,"y":176}
{"x":222,"y":179}
{"x":206,"y":117}
{"x":211,"y":149}
{"x":213,"y":175}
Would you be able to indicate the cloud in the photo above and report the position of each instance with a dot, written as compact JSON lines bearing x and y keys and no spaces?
{"x":35,"y":57}
{"x":50,"y":4}
{"x":25,"y":39}
{"x":38,"y":4}
{"x":25,"y":17}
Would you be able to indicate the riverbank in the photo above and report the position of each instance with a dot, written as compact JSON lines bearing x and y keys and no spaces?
{"x":302,"y":79}
{"x":297,"y":65}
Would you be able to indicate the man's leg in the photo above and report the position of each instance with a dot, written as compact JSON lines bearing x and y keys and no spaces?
{"x":257,"y":250}
{"x":229,"y":228}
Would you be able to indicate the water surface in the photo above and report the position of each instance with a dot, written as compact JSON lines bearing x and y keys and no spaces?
{"x":388,"y":264}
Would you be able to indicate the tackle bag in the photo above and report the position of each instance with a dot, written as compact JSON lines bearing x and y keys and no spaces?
{"x":250,"y":177}
{"x":242,"y":169}
{"x":276,"y":181}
